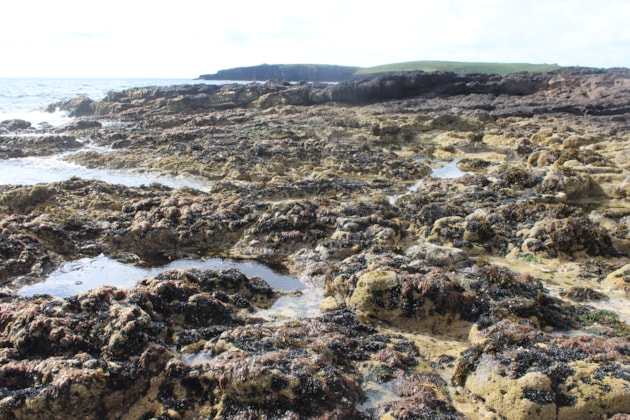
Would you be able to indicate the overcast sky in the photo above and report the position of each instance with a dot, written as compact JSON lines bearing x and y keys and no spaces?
{"x":186,"y":38}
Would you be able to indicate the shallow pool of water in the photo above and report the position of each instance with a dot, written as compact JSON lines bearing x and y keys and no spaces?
{"x":85,"y":274}
{"x":375,"y":394}
{"x":448,"y":170}
{"x":199,"y":358}
{"x":617,"y":302}
{"x":35,"y":170}
{"x":306,"y":305}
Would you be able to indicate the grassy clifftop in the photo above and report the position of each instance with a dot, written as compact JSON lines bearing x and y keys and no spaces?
{"x":459,"y":67}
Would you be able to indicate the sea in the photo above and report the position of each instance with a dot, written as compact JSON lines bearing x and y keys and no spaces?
{"x":27,"y":98}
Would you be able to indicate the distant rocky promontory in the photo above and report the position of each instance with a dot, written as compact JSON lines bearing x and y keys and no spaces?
{"x":286,"y":72}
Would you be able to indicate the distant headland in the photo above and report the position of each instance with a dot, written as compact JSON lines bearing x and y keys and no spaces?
{"x":286,"y":72}
{"x":334,"y":73}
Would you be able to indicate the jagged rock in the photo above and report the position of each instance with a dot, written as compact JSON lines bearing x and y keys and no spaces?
{"x":76,"y":107}
{"x":107,"y":347}
{"x":36,"y":145}
{"x":14,"y":125}
{"x":22,"y":255}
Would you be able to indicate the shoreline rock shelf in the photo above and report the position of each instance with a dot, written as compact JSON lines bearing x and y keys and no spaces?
{"x":478,"y":296}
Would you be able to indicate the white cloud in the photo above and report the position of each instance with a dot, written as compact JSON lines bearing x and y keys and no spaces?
{"x":157,"y":39}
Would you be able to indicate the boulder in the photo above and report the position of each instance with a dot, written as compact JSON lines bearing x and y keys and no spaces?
{"x":79,"y":106}
{"x":439,"y":256}
{"x":15,"y":125}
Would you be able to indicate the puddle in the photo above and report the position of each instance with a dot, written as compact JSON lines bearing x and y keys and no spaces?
{"x":448,"y":170}
{"x":619,"y":306}
{"x":86,"y":274}
{"x":35,"y":170}
{"x":288,"y":307}
{"x":442,"y":170}
{"x":445,"y":170}
{"x":617,"y":302}
{"x":200,"y":358}
{"x":375,"y":393}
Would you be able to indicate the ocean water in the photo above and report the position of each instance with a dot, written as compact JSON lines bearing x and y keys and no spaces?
{"x":27,"y":98}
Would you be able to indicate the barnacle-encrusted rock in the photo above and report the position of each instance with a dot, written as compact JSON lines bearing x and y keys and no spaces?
{"x":104,"y":348}
{"x":22,"y":254}
{"x":523,"y":373}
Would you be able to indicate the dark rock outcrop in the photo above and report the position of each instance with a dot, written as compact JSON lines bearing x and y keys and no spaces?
{"x":76,"y":107}
{"x":13,"y":146}
{"x":14,"y":125}
{"x":285,"y":72}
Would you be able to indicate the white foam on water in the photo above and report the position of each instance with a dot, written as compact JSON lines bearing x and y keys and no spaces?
{"x":38,"y":117}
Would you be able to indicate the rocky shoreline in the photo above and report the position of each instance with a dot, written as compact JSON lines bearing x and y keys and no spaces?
{"x":499,"y":294}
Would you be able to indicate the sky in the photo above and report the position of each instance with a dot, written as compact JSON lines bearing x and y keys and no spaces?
{"x":187,"y":38}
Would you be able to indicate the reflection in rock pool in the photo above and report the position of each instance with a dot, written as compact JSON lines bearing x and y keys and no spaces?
{"x":448,"y":170}
{"x":197,"y":358}
{"x":88,"y":273}
{"x":287,"y":307}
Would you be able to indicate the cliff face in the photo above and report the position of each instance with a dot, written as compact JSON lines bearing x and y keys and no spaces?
{"x":285,"y":72}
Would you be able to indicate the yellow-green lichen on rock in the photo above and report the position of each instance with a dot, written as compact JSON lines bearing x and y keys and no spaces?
{"x":509,"y":397}
{"x":593,"y":393}
{"x":369,"y":286}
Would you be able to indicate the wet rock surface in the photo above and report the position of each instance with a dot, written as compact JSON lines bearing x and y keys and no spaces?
{"x":498,"y":293}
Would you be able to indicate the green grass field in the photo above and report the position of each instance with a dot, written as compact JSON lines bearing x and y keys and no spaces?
{"x":460,"y":67}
